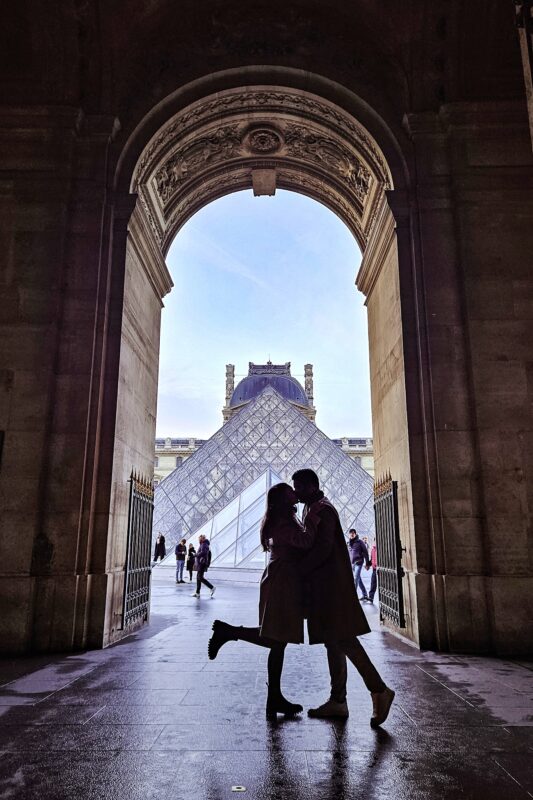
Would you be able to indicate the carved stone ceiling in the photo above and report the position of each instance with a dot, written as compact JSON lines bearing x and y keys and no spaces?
{"x":212,"y":147}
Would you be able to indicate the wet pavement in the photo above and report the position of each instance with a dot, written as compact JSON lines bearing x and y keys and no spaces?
{"x":152,"y":717}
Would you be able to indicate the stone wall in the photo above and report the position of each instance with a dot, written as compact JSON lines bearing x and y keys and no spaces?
{"x":146,"y":281}
{"x":378,"y":278}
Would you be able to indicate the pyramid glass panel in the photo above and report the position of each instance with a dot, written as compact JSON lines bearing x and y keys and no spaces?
{"x":223,"y":485}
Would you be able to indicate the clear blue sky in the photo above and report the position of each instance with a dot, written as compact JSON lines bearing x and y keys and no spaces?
{"x":260,"y":277}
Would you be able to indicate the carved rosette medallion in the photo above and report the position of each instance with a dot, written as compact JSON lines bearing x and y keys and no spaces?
{"x":264,"y":141}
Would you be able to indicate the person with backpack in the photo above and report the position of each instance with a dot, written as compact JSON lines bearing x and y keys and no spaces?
{"x":203,"y":560}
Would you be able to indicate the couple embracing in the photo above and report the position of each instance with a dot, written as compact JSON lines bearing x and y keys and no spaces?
{"x":308,"y":576}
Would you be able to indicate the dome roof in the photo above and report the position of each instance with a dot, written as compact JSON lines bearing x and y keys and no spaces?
{"x":253,"y":385}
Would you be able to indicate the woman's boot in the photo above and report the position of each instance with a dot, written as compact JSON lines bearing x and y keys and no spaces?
{"x":276,"y":703}
{"x":222,"y":633}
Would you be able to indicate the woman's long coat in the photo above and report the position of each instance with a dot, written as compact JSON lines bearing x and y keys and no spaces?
{"x":333,"y":611}
{"x":281,"y":612}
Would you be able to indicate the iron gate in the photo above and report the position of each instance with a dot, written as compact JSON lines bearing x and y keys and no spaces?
{"x":138,"y":568}
{"x":389,"y":552}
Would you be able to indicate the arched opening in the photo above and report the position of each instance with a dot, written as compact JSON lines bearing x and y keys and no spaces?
{"x":265,"y":138}
{"x":268,"y":284}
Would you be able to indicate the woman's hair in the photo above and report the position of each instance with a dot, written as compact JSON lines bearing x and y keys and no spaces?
{"x":277,"y":508}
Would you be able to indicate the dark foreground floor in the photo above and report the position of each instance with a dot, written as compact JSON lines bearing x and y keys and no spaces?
{"x":153,"y":718}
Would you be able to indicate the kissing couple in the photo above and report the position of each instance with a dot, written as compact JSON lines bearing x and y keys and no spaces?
{"x":309,"y":575}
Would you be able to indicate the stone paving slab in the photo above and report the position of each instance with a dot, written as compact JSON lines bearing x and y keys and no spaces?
{"x":152,"y":717}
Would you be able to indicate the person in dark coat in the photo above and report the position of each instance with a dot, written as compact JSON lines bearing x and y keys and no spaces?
{"x":191,"y":559}
{"x":203,"y":560}
{"x":359,"y":558}
{"x":180,"y":552}
{"x":334,"y":615}
{"x":281,"y":613}
{"x":374,"y":577}
{"x":160,"y":549}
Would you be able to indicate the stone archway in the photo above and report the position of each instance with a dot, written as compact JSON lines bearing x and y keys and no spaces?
{"x":261,"y":137}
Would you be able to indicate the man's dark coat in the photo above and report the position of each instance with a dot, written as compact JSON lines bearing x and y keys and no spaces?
{"x":334,"y":613}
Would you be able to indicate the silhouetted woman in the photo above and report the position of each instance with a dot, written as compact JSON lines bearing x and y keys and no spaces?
{"x":281,"y":613}
{"x":160,"y":549}
{"x":191,"y":557}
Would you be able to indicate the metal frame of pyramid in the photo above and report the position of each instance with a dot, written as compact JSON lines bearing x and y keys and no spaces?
{"x":268,"y":436}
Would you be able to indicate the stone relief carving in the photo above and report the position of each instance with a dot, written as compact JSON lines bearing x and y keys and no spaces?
{"x":319,"y":135}
{"x":263,"y":141}
{"x":227,"y":142}
{"x":306,"y":144}
{"x":274,"y":101}
{"x":222,"y":144}
{"x":150,"y":216}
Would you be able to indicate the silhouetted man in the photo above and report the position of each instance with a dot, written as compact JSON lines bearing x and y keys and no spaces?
{"x":334,"y":615}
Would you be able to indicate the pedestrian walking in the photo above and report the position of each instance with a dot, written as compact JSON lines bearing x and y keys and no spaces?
{"x":374,"y":576}
{"x":181,"y":552}
{"x":203,"y":560}
{"x":359,"y":557}
{"x":281,"y":608}
{"x":334,"y":615}
{"x":160,"y":549}
{"x":191,"y":559}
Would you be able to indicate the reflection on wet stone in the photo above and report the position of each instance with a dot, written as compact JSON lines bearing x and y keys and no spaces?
{"x":153,"y":718}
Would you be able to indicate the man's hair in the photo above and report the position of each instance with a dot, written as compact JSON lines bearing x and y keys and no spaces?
{"x":352,"y":530}
{"x":307,"y":476}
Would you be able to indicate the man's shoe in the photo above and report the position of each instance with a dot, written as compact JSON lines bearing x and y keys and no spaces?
{"x":195,"y":594}
{"x":381,"y":703}
{"x":330,"y":709}
{"x":363,"y":599}
{"x":213,"y":590}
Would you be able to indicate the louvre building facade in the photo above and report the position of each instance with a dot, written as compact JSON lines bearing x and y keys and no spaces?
{"x":220,"y":490}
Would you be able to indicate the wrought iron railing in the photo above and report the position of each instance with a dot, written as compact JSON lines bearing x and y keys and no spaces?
{"x":389,"y":552}
{"x":138,"y":568}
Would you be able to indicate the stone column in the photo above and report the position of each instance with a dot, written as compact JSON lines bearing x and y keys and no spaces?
{"x":308,"y":370}
{"x":230,"y":388}
{"x":64,"y":234}
{"x":39,"y":154}
{"x":134,"y":367}
{"x":463,"y":245}
{"x":379,"y":280}
{"x":492,"y":172}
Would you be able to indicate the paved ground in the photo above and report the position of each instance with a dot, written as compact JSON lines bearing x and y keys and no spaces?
{"x":153,"y":718}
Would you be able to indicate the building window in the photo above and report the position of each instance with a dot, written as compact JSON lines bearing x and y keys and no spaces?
{"x":156,"y":462}
{"x":179,"y":461}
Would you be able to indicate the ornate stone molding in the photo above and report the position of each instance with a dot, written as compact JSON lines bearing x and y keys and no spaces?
{"x":148,"y":255}
{"x":211,"y":148}
{"x":271,"y":102}
{"x":378,"y":247}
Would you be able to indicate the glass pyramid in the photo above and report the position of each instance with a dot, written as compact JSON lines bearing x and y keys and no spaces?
{"x":233,"y":533}
{"x":220,"y":490}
